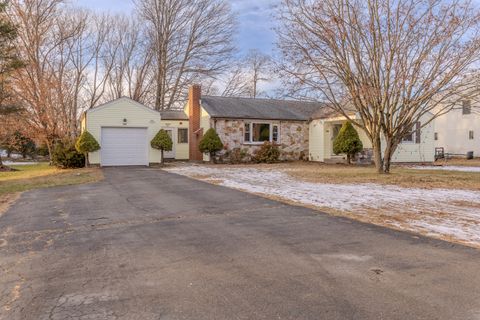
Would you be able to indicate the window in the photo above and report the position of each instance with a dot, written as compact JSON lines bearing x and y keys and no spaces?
{"x":259,"y":132}
{"x":182,"y":135}
{"x":275,"y":133}
{"x":466,"y":106}
{"x":414,"y":135}
{"x":247,"y":132}
{"x":470,"y":135}
{"x":435,"y":136}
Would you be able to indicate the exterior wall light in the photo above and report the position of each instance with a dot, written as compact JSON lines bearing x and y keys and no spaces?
{"x":124,"y":121}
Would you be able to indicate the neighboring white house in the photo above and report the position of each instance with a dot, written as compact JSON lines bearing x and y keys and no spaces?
{"x":458,"y":131}
{"x":124,"y":129}
{"x":324,"y":127}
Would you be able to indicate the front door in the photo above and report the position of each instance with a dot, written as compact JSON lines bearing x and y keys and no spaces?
{"x":172,"y":132}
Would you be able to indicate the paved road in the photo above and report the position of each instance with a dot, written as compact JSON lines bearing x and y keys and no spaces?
{"x":146,"y":244}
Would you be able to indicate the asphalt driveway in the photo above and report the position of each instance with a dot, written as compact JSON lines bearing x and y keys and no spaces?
{"x":146,"y":244}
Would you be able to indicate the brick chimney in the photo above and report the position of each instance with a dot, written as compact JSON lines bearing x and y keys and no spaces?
{"x":195,"y":132}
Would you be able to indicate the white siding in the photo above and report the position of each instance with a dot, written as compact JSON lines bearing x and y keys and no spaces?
{"x":321,"y":142}
{"x":112,"y":115}
{"x":205,"y":124}
{"x":418,"y":152}
{"x":316,"y":136}
{"x":181,"y":149}
{"x":453,"y":128}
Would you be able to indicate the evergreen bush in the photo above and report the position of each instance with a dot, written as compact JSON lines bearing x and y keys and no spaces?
{"x":86,"y":143}
{"x":210,"y":143}
{"x":347,"y":141}
{"x":65,"y":155}
{"x":162,"y":142}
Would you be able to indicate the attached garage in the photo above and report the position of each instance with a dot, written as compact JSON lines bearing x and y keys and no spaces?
{"x":124,"y":129}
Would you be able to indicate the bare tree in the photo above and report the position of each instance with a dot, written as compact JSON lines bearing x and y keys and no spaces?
{"x":132,"y":74}
{"x":38,"y":45}
{"x":68,"y":63}
{"x":232,"y":83}
{"x":191,"y":39}
{"x":258,"y":65}
{"x":243,"y":77}
{"x":392,"y":62}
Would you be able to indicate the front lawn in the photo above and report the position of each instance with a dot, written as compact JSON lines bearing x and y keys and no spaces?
{"x":400,"y":176}
{"x":40,"y":176}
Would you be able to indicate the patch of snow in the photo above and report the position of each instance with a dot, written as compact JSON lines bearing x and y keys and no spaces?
{"x":448,"y":168}
{"x":438,"y":212}
{"x":13,"y":163}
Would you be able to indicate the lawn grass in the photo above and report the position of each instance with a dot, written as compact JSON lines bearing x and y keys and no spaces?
{"x":399,"y":176}
{"x":41,"y":175}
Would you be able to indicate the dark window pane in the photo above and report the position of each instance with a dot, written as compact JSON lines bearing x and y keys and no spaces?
{"x":261,"y":132}
{"x":247,"y":132}
{"x":466,"y":107}
{"x":275,"y":133}
{"x":182,"y":135}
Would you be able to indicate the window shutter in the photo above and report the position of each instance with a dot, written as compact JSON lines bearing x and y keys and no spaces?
{"x":418,"y":132}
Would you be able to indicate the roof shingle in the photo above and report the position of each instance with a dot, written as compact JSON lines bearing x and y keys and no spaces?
{"x":268,"y":109}
{"x":173,"y":115}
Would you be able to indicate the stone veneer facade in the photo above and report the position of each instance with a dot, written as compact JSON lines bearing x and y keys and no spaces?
{"x":293,"y":137}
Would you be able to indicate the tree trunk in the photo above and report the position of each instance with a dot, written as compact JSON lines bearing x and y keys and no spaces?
{"x":212,"y":157}
{"x":387,"y":157}
{"x":161,"y":160}
{"x":86,"y":160}
{"x":1,"y":162}
{"x":348,"y":158}
{"x":49,"y":147}
{"x":377,"y":154}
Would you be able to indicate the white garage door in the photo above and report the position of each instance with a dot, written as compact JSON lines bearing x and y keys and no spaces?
{"x":124,"y":147}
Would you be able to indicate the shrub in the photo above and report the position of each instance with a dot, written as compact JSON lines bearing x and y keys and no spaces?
{"x":268,"y":153}
{"x":42,"y":150}
{"x":24,"y":145}
{"x":65,"y":155}
{"x":237,"y":155}
{"x":210,"y":143}
{"x":347,"y":141}
{"x":162,"y":142}
{"x":86,"y":143}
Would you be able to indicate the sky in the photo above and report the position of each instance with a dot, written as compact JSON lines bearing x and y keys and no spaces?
{"x":255,"y":21}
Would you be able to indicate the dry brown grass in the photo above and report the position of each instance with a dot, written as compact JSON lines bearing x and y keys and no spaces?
{"x":399,"y":176}
{"x":40,"y":176}
{"x":460,"y":162}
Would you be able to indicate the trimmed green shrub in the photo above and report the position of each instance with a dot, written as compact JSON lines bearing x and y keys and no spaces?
{"x":268,"y":153}
{"x":210,"y":143}
{"x":347,"y":141}
{"x":65,"y":155}
{"x":162,"y":142}
{"x":86,"y":143}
